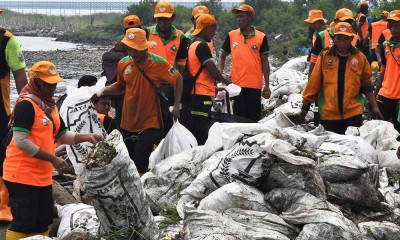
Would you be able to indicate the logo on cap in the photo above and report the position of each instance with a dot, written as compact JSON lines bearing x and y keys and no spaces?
{"x":52,"y":71}
{"x":354,"y":61}
{"x":347,"y":12}
{"x":200,"y":10}
{"x":162,"y":8}
{"x":131,"y":36}
{"x":392,"y":14}
{"x":343,"y":28}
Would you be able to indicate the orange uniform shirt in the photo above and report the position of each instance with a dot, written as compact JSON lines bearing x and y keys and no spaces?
{"x":139,"y":111}
{"x":391,"y":80}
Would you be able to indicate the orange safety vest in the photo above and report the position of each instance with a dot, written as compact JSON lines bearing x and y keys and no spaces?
{"x":387,"y":34}
{"x":21,"y":168}
{"x":391,"y":80}
{"x":377,"y":29}
{"x":322,"y":84}
{"x":166,"y":49}
{"x":205,"y":83}
{"x":364,"y":27}
{"x":246,"y":70}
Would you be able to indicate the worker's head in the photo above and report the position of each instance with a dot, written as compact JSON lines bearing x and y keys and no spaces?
{"x":197,"y":11}
{"x":244,"y":15}
{"x":344,"y":15}
{"x":43,"y":77}
{"x":384,"y":15}
{"x":343,"y":36}
{"x":131,"y":21}
{"x":165,"y":15}
{"x":102,"y":104}
{"x":363,"y":7}
{"x":206,"y":26}
{"x":394,"y":24}
{"x":315,"y":19}
{"x":87,"y":80}
{"x":136,"y":43}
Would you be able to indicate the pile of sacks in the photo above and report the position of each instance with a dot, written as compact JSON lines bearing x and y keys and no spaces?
{"x":275,"y":180}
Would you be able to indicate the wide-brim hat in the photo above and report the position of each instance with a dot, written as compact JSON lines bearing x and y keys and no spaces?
{"x":135,"y":38}
{"x":313,"y":16}
{"x":394,"y":16}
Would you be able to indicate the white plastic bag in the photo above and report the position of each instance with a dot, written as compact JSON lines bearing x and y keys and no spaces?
{"x":77,"y":218}
{"x":178,"y":139}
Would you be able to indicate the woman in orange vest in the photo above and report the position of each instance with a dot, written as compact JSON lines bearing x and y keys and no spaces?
{"x":30,"y":159}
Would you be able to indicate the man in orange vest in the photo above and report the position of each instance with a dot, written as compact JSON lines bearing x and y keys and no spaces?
{"x":385,"y":35}
{"x":249,"y":49}
{"x":317,"y":22}
{"x":170,"y":43}
{"x":387,"y":86}
{"x":376,"y":30}
{"x":199,"y":55}
{"x":11,"y":59}
{"x":362,"y":28}
{"x":341,"y":74}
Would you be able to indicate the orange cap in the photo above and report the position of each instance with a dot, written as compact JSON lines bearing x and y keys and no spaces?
{"x":384,"y":14}
{"x":344,"y":14}
{"x":394,"y":15}
{"x":135,"y":38}
{"x":132,"y":21}
{"x":199,"y":10}
{"x":244,"y":8}
{"x":313,"y":16}
{"x":203,"y":21}
{"x":163,"y":9}
{"x":46,"y":71}
{"x":343,"y":28}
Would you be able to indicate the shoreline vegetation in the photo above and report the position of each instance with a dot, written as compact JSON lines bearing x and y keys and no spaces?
{"x":281,"y":21}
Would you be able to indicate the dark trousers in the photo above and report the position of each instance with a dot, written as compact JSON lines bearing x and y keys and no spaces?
{"x":31,"y":207}
{"x":389,"y":109}
{"x":140,"y":145}
{"x":248,"y":104}
{"x":340,"y":126}
{"x":200,"y":118}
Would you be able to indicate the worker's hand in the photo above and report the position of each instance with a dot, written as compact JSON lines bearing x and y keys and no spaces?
{"x":60,"y":164}
{"x":266,"y":93}
{"x":377,"y":113}
{"x":95,"y":138}
{"x":299,"y":118}
{"x":175,"y":112}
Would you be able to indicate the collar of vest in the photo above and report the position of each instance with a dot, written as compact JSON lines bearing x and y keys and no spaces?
{"x":320,"y":30}
{"x":195,"y":39}
{"x":332,"y":50}
{"x":173,"y":31}
{"x":253,"y":31}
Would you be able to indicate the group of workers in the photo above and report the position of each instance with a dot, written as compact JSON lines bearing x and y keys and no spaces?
{"x":152,"y":61}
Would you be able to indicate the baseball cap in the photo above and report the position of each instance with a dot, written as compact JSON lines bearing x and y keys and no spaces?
{"x":132,"y":21}
{"x":199,"y":10}
{"x":203,"y":21}
{"x":384,"y":14}
{"x":135,"y":38}
{"x":343,"y":28}
{"x":163,"y":9}
{"x":344,"y":14}
{"x":313,"y":16}
{"x":394,"y":15}
{"x":46,"y":71}
{"x":244,"y":8}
